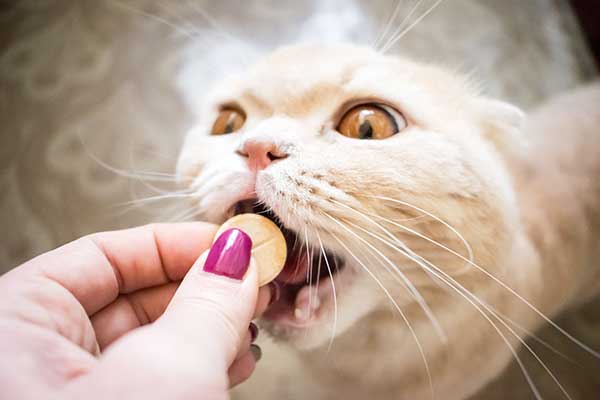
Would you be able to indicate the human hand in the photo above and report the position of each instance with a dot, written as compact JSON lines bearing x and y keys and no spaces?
{"x":106,"y":317}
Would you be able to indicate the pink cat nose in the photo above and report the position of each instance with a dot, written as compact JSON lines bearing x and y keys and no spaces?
{"x":261,"y":153}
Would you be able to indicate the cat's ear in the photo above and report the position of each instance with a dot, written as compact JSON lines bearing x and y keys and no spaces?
{"x":501,"y":124}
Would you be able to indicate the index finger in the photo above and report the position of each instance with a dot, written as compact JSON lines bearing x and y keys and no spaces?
{"x":98,"y":267}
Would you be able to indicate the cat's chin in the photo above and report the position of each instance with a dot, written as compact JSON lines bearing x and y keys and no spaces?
{"x":307,"y":287}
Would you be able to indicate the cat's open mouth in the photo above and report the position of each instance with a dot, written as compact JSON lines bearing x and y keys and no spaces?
{"x":306,"y":282}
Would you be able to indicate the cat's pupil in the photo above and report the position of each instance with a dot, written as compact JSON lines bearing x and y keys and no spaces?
{"x":366,"y":130}
{"x":230,"y":126}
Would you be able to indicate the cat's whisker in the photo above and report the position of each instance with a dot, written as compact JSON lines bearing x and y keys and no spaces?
{"x":424,"y":237}
{"x":533,"y":336}
{"x":309,"y":272}
{"x":400,"y":35}
{"x":150,"y":199}
{"x":407,"y":283}
{"x":180,"y":20}
{"x":218,"y":28}
{"x":175,"y":27}
{"x":138,"y":175}
{"x":473,"y":299}
{"x":365,"y":215}
{"x":412,"y":289}
{"x":136,"y":170}
{"x":383,"y":33}
{"x":335,"y":306}
{"x":128,"y":206}
{"x":500,"y":282}
{"x":412,"y":10}
{"x":447,"y":225}
{"x":221,"y":29}
{"x":396,"y":306}
{"x":404,"y":250}
{"x":186,"y":215}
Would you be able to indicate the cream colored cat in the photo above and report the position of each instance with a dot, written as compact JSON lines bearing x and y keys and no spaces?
{"x":428,"y":231}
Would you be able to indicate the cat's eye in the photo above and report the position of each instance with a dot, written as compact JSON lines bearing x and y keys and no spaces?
{"x":371,"y":121}
{"x":229,"y":120}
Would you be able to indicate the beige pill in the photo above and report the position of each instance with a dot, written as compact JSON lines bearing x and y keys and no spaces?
{"x":268,"y":243}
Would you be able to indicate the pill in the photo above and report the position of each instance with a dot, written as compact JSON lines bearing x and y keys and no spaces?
{"x":268,"y":243}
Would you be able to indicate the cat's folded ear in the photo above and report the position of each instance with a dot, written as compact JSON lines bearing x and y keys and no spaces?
{"x":501,"y":123}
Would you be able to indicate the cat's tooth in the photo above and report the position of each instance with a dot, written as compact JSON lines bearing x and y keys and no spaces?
{"x":306,"y":307}
{"x":301,"y":314}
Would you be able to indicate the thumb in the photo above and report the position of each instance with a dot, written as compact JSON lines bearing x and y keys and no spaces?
{"x":213,"y":307}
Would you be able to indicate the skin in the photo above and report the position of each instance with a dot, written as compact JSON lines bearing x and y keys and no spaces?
{"x":127,"y":314}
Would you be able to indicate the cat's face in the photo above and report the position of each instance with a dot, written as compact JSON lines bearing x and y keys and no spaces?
{"x":373,"y":211}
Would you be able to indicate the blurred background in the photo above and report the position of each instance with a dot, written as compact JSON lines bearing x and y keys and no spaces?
{"x":96,"y":97}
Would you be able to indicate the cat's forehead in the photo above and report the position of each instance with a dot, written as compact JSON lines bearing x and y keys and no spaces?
{"x":300,"y":80}
{"x":294,"y":79}
{"x":312,"y":64}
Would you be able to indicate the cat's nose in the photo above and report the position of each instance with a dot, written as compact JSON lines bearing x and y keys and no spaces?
{"x":261,"y":153}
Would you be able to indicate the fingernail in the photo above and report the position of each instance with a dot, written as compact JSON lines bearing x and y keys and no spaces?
{"x":275,"y":292}
{"x":256,"y":352}
{"x":253,"y":332}
{"x":230,"y":254}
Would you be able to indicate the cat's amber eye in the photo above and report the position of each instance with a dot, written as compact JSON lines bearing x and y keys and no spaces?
{"x":371,"y":121}
{"x":229,"y":120}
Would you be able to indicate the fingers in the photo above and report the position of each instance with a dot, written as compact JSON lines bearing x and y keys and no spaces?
{"x":244,"y":366}
{"x":249,"y":354}
{"x":131,"y":311}
{"x":95,"y":269}
{"x":265,"y":294}
{"x":211,"y":310}
{"x":194,"y":346}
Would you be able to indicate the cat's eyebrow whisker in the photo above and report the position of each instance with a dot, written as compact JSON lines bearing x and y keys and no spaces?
{"x":383,"y":33}
{"x":473,"y":299}
{"x":180,"y":20}
{"x":500,"y":282}
{"x":412,"y":10}
{"x":221,"y":29}
{"x":396,"y":306}
{"x":335,"y":306}
{"x":400,"y":35}
{"x":189,"y":34}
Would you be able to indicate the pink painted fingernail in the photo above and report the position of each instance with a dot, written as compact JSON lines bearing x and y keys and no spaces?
{"x":256,"y":352}
{"x":253,"y":332}
{"x":229,"y":255}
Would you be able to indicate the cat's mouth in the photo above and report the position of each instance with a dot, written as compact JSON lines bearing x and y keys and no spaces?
{"x":305,"y":286}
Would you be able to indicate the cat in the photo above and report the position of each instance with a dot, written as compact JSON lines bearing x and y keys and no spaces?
{"x":429,"y":227}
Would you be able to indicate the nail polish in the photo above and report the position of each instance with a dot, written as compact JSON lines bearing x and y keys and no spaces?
{"x":253,"y":332}
{"x":256,"y":352}
{"x":230,"y":254}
